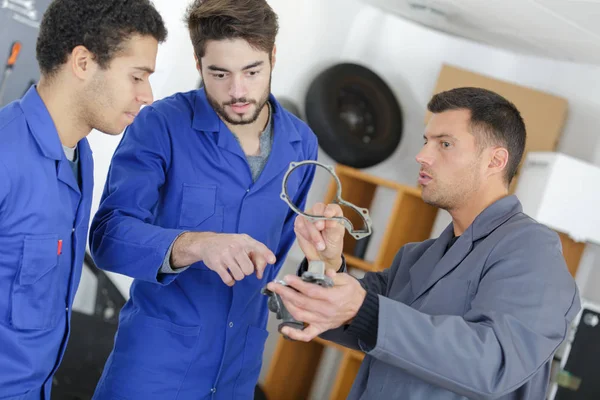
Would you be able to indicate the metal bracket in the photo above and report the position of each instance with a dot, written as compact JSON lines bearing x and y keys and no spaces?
{"x":314,"y":274}
{"x":363,"y":212}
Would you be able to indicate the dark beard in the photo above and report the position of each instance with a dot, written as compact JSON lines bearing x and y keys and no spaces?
{"x":220,"y":108}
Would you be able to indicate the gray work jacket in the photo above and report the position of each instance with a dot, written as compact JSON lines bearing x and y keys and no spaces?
{"x":481,"y":320}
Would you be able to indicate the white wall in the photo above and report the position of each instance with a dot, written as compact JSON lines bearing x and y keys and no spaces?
{"x":409,"y":58}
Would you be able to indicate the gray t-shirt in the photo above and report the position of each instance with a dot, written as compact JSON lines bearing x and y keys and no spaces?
{"x":73,"y":157}
{"x":257,"y":163}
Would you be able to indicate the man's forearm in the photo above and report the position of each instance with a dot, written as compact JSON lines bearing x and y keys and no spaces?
{"x":187,"y":249}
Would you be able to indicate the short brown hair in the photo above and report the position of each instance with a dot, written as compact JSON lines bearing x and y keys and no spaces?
{"x":251,"y":20}
{"x":495,"y":118}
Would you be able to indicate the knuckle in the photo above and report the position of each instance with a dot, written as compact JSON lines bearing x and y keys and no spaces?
{"x":290,"y":298}
{"x":311,"y":292}
{"x":299,"y":302}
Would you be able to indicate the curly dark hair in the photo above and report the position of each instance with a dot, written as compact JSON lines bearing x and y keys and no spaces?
{"x":251,"y":20}
{"x":494,"y":120}
{"x":100,"y":25}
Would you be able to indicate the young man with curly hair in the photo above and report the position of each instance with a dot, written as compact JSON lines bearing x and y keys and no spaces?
{"x":95,"y":57}
{"x":192,"y":212}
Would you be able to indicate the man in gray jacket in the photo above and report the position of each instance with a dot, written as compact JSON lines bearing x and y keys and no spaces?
{"x":477,"y":312}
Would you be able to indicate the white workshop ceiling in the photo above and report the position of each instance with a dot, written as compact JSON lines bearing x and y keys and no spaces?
{"x":560,"y":29}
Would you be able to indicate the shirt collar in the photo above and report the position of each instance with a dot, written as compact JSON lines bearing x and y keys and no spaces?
{"x":495,"y":215}
{"x":41,"y":124}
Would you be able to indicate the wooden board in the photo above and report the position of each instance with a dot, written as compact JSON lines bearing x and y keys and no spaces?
{"x":292,"y":370}
{"x":411,"y":221}
{"x":346,"y":375}
{"x":572,"y":252}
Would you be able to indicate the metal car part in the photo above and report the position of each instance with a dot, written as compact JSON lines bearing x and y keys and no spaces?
{"x":363,"y":212}
{"x":315,"y":273}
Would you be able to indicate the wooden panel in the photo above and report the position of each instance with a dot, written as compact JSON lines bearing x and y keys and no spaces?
{"x":343,"y":170}
{"x":572,"y":251}
{"x":412,"y":221}
{"x":358,"y":355}
{"x":355,"y":262}
{"x":292,"y":370}
{"x":356,"y":191}
{"x":544,"y":114}
{"x":346,"y":375}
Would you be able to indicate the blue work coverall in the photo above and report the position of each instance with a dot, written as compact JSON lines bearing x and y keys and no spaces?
{"x":179,"y":168}
{"x":44,"y":219}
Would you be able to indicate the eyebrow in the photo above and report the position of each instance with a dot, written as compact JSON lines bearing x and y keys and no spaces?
{"x":249,"y":66}
{"x":145,"y":69}
{"x":440,"y":136}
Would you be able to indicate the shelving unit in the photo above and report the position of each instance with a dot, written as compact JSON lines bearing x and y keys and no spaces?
{"x":294,"y":364}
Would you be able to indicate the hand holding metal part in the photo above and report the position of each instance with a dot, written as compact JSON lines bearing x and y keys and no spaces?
{"x":315,"y":272}
{"x":362,"y":212}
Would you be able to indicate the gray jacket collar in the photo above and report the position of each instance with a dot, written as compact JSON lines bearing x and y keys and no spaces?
{"x":436,"y":262}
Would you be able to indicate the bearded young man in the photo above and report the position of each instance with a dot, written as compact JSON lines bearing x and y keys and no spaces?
{"x":191,"y":210}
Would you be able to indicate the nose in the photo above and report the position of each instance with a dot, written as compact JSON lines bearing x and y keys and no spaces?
{"x":425,"y":156}
{"x":238,"y":87}
{"x":145,"y":95}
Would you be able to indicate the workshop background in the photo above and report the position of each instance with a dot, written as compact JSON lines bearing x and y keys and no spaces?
{"x":552,"y":46}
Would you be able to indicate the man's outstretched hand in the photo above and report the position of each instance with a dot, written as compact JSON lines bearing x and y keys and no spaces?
{"x":320,"y":307}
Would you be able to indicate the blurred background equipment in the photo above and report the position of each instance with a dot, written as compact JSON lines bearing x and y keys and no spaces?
{"x":19,"y":28}
{"x":291,"y":106}
{"x":577,"y":378}
{"x":354,"y":114}
{"x":91,"y":339}
{"x":15,"y":49}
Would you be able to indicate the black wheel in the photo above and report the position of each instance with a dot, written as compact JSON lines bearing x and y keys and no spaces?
{"x":354,"y":114}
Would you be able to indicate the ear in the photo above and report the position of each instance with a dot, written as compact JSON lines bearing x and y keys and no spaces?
{"x":273,"y":56}
{"x":82,"y":63}
{"x":498,"y":160}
